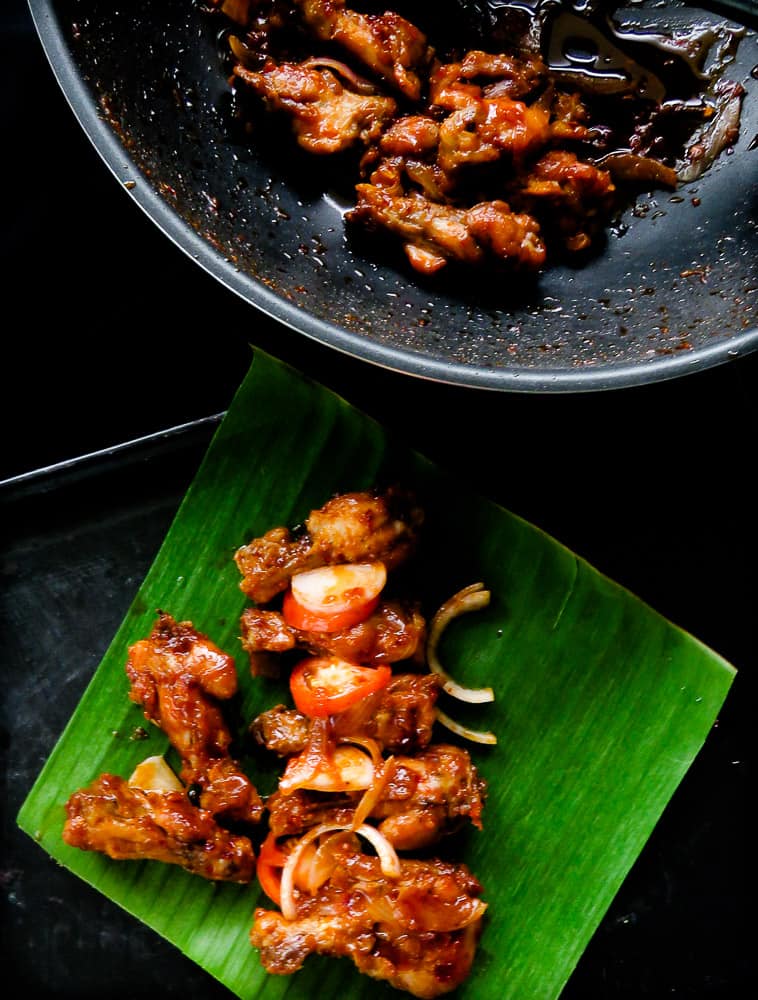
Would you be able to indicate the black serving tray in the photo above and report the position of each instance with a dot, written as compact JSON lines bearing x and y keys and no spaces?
{"x":79,"y":538}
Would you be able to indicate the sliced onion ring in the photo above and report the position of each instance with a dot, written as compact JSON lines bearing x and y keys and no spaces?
{"x":359,"y":83}
{"x":390,"y":863}
{"x":471,"y":598}
{"x":373,"y":793}
{"x":474,"y":735}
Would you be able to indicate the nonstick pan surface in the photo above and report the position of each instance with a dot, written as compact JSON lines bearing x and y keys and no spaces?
{"x":673,"y":290}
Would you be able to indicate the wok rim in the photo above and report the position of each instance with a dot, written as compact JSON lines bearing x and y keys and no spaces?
{"x":355,"y":345}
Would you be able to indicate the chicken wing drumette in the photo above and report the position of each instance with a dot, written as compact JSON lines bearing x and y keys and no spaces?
{"x":180,"y":678}
{"x":416,"y":928}
{"x":351,"y":527}
{"x":422,"y":798}
{"x":394,"y":632}
{"x":129,"y":823}
{"x":400,"y":717}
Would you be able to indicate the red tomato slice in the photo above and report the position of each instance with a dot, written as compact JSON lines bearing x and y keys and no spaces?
{"x":326,"y":685}
{"x":332,"y":598}
{"x":269,"y":869}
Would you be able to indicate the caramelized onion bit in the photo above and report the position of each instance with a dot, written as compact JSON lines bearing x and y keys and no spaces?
{"x":359,"y":83}
{"x":471,"y":598}
{"x":240,"y":51}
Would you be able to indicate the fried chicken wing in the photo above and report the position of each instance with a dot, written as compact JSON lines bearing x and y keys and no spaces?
{"x":425,"y":797}
{"x":400,"y":717}
{"x":127,"y":823}
{"x":180,"y":677}
{"x":351,"y":527}
{"x":429,"y":795}
{"x":394,"y":632}
{"x":418,"y":932}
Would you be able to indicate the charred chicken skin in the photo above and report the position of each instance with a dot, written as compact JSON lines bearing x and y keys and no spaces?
{"x":418,"y":931}
{"x":351,"y":527}
{"x":180,"y":678}
{"x":127,"y":823}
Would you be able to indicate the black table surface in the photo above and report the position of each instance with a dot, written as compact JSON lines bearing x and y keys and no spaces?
{"x":111,"y":333}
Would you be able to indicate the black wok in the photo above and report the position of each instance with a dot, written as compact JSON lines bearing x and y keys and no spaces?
{"x":672,"y":291}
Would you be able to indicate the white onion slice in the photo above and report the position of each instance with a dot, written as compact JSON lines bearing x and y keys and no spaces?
{"x":371,"y":796}
{"x":471,"y":598}
{"x":474,"y":735}
{"x":390,"y":863}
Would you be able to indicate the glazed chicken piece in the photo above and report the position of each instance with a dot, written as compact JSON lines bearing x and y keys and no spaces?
{"x":327,"y":117}
{"x":180,"y":677}
{"x":487,"y":120}
{"x":352,"y":527}
{"x":573,"y":197}
{"x":400,"y":717}
{"x":387,"y":44}
{"x":429,"y":795}
{"x":425,"y":797}
{"x":490,"y":130}
{"x":395,"y":631}
{"x":418,"y":932}
{"x":433,"y":233}
{"x":127,"y":823}
{"x":484,"y":74}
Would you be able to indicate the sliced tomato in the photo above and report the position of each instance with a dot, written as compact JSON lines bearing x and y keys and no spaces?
{"x":271,"y":860}
{"x":327,"y":685}
{"x":332,"y":598}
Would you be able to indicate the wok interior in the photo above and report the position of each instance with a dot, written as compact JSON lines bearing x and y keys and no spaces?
{"x":669,"y":287}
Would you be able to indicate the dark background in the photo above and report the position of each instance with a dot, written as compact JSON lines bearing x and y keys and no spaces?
{"x":110,"y":333}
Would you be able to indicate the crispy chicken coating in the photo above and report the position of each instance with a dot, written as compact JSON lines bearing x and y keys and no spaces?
{"x":127,"y":823}
{"x":386,"y":44}
{"x":400,"y":717}
{"x":418,"y":932}
{"x":327,"y":117}
{"x":180,"y":677}
{"x":351,"y":527}
{"x":395,"y":631}
{"x":425,"y":797}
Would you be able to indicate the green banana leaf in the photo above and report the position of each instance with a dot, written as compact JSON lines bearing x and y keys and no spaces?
{"x":601,"y":705}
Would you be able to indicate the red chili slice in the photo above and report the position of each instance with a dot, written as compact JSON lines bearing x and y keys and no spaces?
{"x":326,"y":685}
